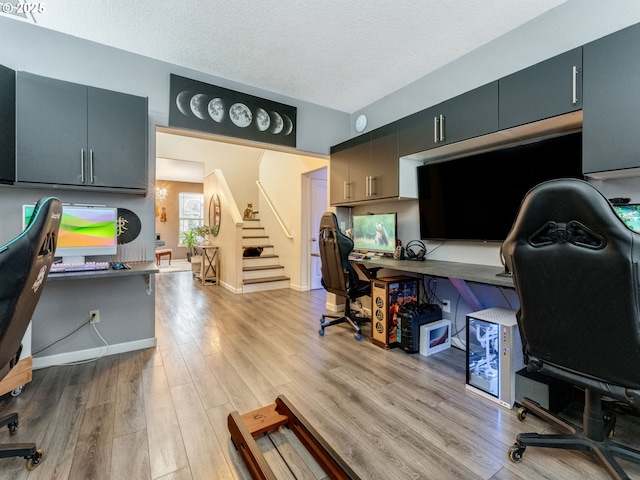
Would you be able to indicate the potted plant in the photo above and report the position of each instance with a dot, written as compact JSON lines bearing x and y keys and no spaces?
{"x":192,"y":237}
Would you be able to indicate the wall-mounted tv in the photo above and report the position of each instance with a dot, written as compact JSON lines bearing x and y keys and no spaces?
{"x":477,"y":197}
{"x":374,"y":233}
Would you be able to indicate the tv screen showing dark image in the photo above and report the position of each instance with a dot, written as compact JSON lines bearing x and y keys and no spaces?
{"x":477,"y":197}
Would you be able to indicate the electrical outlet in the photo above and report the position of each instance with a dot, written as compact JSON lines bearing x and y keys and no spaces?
{"x":94,"y":316}
{"x":446,"y":306}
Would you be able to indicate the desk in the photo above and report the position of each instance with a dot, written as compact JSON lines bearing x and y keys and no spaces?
{"x":457,"y":273}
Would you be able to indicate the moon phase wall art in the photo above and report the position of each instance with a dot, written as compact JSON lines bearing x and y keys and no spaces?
{"x":207,"y":108}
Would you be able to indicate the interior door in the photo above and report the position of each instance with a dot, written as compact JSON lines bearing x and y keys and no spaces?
{"x":318,"y":205}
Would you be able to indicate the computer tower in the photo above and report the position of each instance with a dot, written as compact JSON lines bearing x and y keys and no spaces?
{"x":387,"y":296}
{"x":411,"y":317}
{"x":494,"y":354}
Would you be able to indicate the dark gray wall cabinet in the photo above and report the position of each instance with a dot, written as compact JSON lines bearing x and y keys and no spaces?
{"x":611,"y":106}
{"x":365,"y":168}
{"x":469,"y":115}
{"x":544,"y":90}
{"x":78,"y":136}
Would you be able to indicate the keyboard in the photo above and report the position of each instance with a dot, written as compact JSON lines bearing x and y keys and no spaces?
{"x":78,"y":267}
{"x":358,"y":256}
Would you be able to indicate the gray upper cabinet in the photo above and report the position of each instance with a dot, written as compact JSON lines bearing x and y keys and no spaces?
{"x":611,"y":109}
{"x":469,"y":115}
{"x":544,"y":90}
{"x":79,"y":136}
{"x":365,"y":168}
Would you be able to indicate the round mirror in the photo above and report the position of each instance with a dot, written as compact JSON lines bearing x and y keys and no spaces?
{"x":214,"y":214}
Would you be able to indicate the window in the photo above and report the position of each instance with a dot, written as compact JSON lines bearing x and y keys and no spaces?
{"x":191,"y":211}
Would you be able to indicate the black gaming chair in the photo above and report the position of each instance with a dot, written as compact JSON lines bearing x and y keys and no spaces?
{"x":575,"y":268}
{"x":24,"y":265}
{"x":338,"y":274}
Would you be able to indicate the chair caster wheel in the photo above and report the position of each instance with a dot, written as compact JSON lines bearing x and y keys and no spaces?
{"x":17,"y":391}
{"x":522,"y":413}
{"x":358,"y":336}
{"x":13,"y":428}
{"x":321,"y":332}
{"x":515,"y":453}
{"x":34,"y":460}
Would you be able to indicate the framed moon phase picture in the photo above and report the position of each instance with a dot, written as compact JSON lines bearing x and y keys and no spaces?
{"x":214,"y":214}
{"x":208,"y":108}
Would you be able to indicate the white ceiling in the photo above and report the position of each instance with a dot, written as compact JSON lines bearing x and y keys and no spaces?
{"x":341,"y":54}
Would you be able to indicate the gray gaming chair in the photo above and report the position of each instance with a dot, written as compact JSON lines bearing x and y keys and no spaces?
{"x":338,"y":274}
{"x":575,"y":268}
{"x":24,"y":265}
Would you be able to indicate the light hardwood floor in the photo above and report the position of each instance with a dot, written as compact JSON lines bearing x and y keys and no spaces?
{"x":161,"y":413}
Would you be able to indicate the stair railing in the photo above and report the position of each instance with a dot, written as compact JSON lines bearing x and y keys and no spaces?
{"x":273,"y":209}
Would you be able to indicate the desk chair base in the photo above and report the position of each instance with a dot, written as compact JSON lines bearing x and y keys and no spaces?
{"x":28,"y":451}
{"x":597,"y":429}
{"x":354,"y":322}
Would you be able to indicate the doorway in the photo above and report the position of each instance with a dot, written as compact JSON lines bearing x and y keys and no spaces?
{"x":316,"y":200}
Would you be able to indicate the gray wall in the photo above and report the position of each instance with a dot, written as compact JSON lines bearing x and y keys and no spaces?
{"x":567,"y":26}
{"x":127,"y":313}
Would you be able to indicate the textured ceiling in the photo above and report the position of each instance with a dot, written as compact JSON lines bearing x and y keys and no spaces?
{"x":335,"y":53}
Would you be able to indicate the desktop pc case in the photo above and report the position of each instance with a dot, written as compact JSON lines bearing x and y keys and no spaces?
{"x":494,"y":354}
{"x":387,"y":296}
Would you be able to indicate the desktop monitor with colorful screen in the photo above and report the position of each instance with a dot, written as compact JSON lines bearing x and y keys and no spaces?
{"x":84,"y":231}
{"x":630,"y":215}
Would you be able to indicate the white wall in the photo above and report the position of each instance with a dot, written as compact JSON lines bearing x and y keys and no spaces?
{"x":280,"y":175}
{"x":239,"y":163}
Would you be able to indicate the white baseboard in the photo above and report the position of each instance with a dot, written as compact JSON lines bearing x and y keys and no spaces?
{"x":299,"y":288}
{"x":332,"y":307}
{"x":231,"y":288}
{"x":91,"y":353}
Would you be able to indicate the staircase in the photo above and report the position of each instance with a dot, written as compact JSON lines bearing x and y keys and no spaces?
{"x":263,"y":272}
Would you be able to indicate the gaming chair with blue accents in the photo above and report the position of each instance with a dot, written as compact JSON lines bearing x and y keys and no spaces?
{"x":24,"y":266}
{"x":338,"y":274}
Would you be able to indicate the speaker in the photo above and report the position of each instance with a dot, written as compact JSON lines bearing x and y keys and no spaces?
{"x":387,"y":296}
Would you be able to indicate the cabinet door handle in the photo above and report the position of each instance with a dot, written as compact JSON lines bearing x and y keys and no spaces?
{"x":442,"y":128}
{"x":435,"y":129}
{"x":574,"y":84}
{"x":366,"y":186}
{"x":82,"y":165}
{"x":371,"y":192}
{"x":91,"y":166}
{"x":344,"y":190}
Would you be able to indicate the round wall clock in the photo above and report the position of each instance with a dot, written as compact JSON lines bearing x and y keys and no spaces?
{"x":214,"y":214}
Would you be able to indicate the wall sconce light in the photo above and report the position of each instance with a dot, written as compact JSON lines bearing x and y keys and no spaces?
{"x":161,"y":195}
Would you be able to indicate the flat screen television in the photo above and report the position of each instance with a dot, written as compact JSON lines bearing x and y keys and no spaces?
{"x":374,"y":233}
{"x":84,"y":231}
{"x":477,"y":197}
{"x":630,"y":214}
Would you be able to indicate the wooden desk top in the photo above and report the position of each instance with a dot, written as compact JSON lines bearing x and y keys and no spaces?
{"x":486,"y":274}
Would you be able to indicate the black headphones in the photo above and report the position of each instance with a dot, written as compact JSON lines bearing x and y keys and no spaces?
{"x":415,"y":250}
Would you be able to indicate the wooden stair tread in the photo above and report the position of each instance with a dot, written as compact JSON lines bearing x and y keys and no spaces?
{"x":265,"y":255}
{"x":251,"y":281}
{"x":261,"y":267}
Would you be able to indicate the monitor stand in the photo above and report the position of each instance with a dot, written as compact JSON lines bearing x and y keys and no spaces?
{"x":73,"y":259}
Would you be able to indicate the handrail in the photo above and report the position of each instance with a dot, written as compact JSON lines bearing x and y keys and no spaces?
{"x":273,"y":209}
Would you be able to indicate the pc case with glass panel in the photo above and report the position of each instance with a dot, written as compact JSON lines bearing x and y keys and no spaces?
{"x":494,"y":354}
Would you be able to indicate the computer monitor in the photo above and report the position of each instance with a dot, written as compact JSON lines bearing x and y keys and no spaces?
{"x":630,"y":215}
{"x":84,"y":231}
{"x":374,"y":233}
